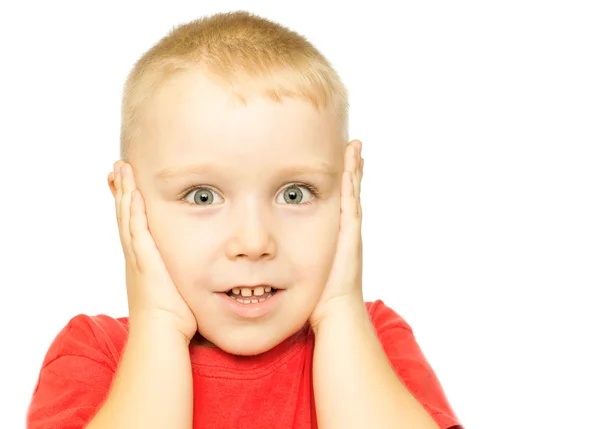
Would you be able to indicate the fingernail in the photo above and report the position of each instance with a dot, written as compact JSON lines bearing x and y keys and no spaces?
{"x":122,"y":171}
{"x":359,"y":147}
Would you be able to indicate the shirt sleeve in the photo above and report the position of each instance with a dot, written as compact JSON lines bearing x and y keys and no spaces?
{"x":76,"y":375}
{"x":409,"y":363}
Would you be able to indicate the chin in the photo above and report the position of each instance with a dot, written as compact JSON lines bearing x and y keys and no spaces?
{"x":249,"y":342}
{"x":246,"y":347}
{"x":254,"y":339}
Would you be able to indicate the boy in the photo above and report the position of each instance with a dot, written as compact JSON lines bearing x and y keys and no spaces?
{"x":237,"y":201}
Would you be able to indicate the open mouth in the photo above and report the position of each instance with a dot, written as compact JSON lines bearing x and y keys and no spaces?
{"x":252,"y":295}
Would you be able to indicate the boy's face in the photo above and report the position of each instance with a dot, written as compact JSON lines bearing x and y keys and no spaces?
{"x":228,"y":204}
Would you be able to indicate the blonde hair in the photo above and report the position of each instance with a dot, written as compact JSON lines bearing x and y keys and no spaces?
{"x":243,"y":52}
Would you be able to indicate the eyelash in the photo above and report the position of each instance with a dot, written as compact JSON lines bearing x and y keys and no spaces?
{"x":313,"y":190}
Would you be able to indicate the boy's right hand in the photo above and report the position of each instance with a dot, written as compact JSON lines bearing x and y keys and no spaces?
{"x":152,"y":295}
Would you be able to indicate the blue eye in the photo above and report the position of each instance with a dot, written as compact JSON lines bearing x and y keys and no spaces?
{"x":295,"y":194}
{"x":200,"y":196}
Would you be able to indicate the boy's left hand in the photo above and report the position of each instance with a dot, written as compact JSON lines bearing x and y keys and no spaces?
{"x":344,"y":285}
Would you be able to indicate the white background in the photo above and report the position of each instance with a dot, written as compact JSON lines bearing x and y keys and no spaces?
{"x":481,"y":130}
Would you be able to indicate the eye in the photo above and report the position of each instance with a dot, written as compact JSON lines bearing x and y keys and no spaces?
{"x":201,"y":196}
{"x":298,"y":194}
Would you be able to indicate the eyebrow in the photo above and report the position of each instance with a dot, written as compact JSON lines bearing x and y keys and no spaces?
{"x":182,"y":171}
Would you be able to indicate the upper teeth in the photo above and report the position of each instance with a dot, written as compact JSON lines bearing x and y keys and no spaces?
{"x":246,"y":291}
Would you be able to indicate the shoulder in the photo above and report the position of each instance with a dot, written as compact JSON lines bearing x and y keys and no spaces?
{"x":395,"y":334}
{"x":77,"y":371}
{"x":410,"y":364}
{"x":99,"y":337}
{"x":384,"y":317}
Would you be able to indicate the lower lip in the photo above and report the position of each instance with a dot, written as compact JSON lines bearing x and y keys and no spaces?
{"x":251,"y":311}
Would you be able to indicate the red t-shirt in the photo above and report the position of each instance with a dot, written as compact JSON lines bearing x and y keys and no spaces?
{"x":274,"y":387}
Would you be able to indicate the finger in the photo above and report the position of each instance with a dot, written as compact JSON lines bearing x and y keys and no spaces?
{"x":353,"y":237}
{"x":128,"y":186}
{"x":349,"y":215}
{"x":361,"y":163}
{"x":349,"y":247}
{"x":362,"y":166}
{"x":348,"y":195}
{"x":350,"y":157}
{"x":360,"y":178}
{"x":119,"y":206}
{"x":352,"y":161}
{"x":357,"y":178}
{"x":359,"y":199}
{"x":142,"y":243}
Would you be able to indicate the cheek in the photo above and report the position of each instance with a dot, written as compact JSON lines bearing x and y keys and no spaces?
{"x":180,"y":243}
{"x":314,"y":248}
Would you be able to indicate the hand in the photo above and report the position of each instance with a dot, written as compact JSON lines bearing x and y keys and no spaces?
{"x":151,"y":293}
{"x":344,"y":285}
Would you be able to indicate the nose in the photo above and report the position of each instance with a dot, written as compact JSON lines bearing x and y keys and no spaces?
{"x":250,"y":238}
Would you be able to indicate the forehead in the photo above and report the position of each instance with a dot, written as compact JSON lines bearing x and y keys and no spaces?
{"x":190,"y":118}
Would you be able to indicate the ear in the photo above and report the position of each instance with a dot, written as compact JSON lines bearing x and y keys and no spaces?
{"x":111,"y":183}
